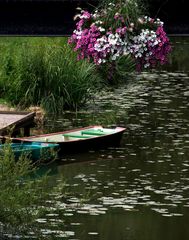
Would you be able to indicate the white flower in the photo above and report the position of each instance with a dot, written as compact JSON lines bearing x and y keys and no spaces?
{"x":130,"y":29}
{"x":78,"y":33}
{"x":125,"y":52}
{"x":112,"y":39}
{"x":146,"y":65}
{"x":94,"y":15}
{"x":111,"y":4}
{"x":77,"y":16}
{"x":140,"y":20}
{"x":114,"y":57}
{"x":101,"y":29}
{"x":158,"y":22}
{"x":98,"y":22}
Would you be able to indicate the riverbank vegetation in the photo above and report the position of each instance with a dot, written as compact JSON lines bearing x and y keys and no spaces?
{"x":44,"y":71}
{"x":21,"y":197}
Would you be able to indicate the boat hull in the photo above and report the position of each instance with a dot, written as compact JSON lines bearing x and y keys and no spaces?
{"x":91,"y":144}
{"x":33,"y":151}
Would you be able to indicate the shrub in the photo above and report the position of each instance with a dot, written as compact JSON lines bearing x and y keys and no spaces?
{"x":21,"y":197}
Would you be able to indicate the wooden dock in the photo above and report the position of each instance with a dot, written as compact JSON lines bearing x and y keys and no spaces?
{"x":11,"y":122}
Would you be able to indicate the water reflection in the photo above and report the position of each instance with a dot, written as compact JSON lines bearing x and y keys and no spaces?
{"x":141,"y":189}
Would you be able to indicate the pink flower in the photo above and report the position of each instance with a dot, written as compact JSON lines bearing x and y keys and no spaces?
{"x":86,"y":15}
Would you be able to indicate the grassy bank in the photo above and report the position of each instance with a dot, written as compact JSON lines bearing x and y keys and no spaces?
{"x":44,"y":71}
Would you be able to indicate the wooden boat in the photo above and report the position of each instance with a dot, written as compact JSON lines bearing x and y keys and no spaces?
{"x":79,"y":140}
{"x":33,"y":150}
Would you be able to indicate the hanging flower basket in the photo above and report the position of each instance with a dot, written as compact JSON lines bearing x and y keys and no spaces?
{"x":107,"y":34}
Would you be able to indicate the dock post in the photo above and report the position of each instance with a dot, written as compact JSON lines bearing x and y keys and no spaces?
{"x":26,"y":131}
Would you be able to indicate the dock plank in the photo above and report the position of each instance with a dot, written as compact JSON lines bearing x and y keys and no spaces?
{"x":8,"y":119}
{"x":15,"y":120}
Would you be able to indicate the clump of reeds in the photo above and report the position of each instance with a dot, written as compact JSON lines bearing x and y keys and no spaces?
{"x":45,"y":72}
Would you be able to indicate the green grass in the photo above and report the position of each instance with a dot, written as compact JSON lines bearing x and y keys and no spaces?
{"x":2,"y":101}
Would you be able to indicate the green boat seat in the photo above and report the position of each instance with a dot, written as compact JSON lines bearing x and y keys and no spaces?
{"x":75,"y":136}
{"x":97,"y":132}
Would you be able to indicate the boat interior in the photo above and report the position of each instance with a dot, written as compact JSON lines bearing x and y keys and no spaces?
{"x":76,"y":135}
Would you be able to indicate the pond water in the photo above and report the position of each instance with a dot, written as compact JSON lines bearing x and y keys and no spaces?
{"x":141,"y":189}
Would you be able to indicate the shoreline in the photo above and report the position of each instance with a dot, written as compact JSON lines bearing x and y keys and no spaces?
{"x":5,"y":107}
